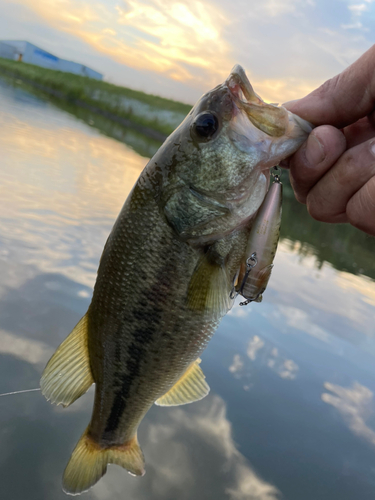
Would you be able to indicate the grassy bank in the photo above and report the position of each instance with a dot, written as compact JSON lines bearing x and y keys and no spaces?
{"x":145,"y":111}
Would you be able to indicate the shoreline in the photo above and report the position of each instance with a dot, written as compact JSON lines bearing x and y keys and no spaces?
{"x":112,"y":101}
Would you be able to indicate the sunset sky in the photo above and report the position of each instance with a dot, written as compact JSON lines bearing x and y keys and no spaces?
{"x":182,"y":48}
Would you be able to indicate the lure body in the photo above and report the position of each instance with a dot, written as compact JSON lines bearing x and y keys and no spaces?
{"x":261,"y":248}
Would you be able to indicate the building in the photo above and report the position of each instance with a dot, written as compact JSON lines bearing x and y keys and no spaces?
{"x":29,"y":53}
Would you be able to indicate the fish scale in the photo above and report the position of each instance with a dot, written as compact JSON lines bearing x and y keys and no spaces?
{"x":167,"y":272}
{"x":167,"y":338}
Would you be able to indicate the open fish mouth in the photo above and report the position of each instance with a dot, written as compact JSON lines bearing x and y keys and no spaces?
{"x":240,"y":86}
{"x":269,"y":118}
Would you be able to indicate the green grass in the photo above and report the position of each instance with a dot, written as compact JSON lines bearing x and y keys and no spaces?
{"x":103,"y":95}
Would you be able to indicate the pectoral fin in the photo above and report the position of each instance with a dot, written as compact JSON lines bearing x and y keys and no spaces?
{"x":209,"y":289}
{"x":191,"y":387}
{"x":68,"y":375}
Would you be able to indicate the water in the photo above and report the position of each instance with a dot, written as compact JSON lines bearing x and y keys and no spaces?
{"x":290,"y":414}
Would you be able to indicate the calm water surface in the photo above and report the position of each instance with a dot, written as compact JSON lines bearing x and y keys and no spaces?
{"x":290,"y":414}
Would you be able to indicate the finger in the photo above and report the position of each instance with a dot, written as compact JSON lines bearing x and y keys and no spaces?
{"x":361,"y":208}
{"x":343,"y":99}
{"x":360,"y":131}
{"x":309,"y":164}
{"x":328,"y":199}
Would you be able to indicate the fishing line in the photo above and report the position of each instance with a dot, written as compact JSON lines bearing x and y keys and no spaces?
{"x":19,"y":392}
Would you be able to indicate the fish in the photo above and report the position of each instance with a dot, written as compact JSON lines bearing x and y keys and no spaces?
{"x":257,"y":265}
{"x":166,"y":273}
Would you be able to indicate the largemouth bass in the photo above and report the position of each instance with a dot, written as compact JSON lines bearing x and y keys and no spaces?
{"x":166,"y":273}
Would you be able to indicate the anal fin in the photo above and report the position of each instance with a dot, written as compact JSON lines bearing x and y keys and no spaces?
{"x":68,"y":375}
{"x":191,"y":387}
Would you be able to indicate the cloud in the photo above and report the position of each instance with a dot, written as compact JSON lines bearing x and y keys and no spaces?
{"x":358,"y":9}
{"x":283,"y":367}
{"x":237,"y":364}
{"x":352,"y":26}
{"x":189,"y":450}
{"x":87,"y":163}
{"x":183,"y":48}
{"x":31,"y":351}
{"x":279,"y":90}
{"x":255,"y":344}
{"x":276,"y":8}
{"x":288,"y":369}
{"x":300,"y":320}
{"x":355,"y":405}
{"x":322,"y":295}
{"x":183,"y":40}
{"x":362,"y":285}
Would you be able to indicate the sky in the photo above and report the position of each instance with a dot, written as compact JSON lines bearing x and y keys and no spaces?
{"x":182,"y":48}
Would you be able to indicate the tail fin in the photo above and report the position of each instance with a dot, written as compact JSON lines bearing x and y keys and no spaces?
{"x":88,"y":463}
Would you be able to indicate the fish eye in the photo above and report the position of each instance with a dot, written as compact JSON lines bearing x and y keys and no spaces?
{"x":205,"y":125}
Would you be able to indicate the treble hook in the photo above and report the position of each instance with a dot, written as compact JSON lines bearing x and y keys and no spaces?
{"x":276,"y":173}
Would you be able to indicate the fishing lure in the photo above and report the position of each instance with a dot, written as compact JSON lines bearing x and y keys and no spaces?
{"x":261,"y":248}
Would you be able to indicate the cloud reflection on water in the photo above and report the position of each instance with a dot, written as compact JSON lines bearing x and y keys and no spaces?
{"x":64,"y":184}
{"x":31,"y":351}
{"x":52,"y":230}
{"x":190,"y":453}
{"x":355,"y":405}
{"x":265,"y":354}
{"x":308,"y":298}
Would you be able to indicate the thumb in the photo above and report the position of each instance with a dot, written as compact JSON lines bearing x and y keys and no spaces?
{"x":343,"y":99}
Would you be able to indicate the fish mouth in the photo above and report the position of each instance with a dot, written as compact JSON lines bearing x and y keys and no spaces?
{"x":271,"y":119}
{"x":268,"y":118}
{"x":241,"y":88}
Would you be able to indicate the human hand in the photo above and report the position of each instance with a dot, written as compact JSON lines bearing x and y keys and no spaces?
{"x":334,"y":171}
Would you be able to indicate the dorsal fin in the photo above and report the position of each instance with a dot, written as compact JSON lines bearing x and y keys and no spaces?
{"x":191,"y":387}
{"x":68,"y":375}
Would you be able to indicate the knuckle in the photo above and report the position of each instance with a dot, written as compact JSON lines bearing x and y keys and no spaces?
{"x":361,"y":208}
{"x":342,"y":175}
{"x":357,"y":164}
{"x":328,"y":87}
{"x":353,"y":213}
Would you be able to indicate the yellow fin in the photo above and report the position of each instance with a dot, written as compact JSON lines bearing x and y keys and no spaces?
{"x":89,"y":460}
{"x":210,"y":288}
{"x":191,"y":387}
{"x":68,"y":375}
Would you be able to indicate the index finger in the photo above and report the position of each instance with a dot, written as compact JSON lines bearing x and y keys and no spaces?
{"x":343,"y":99}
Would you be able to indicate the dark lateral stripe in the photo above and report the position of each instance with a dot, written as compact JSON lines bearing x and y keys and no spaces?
{"x":119,"y":403}
{"x":148,"y":315}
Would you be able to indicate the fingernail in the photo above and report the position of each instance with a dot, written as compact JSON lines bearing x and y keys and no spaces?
{"x":314,"y":151}
{"x":372,"y":148}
